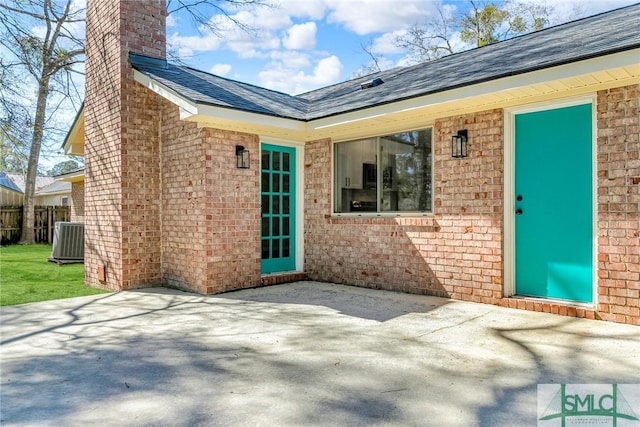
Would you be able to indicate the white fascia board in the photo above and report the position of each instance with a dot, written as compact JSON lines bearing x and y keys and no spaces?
{"x":187,"y":107}
{"x":260,"y":120}
{"x":71,"y":176}
{"x":603,"y":63}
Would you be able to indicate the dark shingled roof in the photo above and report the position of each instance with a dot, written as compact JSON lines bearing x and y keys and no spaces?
{"x":603,"y":34}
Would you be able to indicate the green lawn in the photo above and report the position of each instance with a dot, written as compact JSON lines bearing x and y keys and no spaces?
{"x":27,"y":276}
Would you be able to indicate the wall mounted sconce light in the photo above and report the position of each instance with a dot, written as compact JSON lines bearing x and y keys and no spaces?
{"x":242,"y":157}
{"x":459,"y":144}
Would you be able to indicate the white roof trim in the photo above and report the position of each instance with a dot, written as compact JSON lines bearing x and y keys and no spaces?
{"x":74,"y":176}
{"x":205,"y":111}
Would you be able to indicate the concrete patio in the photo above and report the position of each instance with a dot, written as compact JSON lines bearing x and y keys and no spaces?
{"x":294,"y":355}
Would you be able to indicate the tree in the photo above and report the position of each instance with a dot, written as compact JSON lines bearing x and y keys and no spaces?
{"x":41,"y":48}
{"x":490,"y":23}
{"x":12,"y":151}
{"x":64,"y":167}
{"x":430,"y":40}
{"x":484,"y":23}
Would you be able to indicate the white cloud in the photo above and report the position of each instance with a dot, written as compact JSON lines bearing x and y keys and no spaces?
{"x":301,"y":36}
{"x":291,"y":59}
{"x":327,"y":71}
{"x":221,"y":69}
{"x":171,"y":21}
{"x":569,"y":10}
{"x":277,"y":76}
{"x":372,"y":16}
{"x":312,"y":9}
{"x":185,"y":46}
{"x":260,"y":18}
{"x":385,"y":44}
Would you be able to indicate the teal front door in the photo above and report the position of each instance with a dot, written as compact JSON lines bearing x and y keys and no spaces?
{"x":278,"y":190}
{"x":553,"y":204}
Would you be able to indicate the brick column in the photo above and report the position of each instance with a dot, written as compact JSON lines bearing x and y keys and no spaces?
{"x":619,"y":204}
{"x":122,"y":184}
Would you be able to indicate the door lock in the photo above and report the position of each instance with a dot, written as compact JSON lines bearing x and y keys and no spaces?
{"x":519,"y":198}
{"x":518,"y":211}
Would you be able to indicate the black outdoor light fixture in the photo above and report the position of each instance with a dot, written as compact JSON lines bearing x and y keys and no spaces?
{"x":242,"y":157}
{"x":459,"y":144}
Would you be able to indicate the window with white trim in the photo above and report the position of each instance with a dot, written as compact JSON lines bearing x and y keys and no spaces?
{"x":386,"y":174}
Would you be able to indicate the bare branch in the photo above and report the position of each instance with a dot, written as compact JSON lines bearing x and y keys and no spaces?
{"x":195,"y":10}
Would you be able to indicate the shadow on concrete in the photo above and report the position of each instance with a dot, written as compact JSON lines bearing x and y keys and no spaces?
{"x":293,"y":355}
{"x":570,"y":355}
{"x":348,"y":300}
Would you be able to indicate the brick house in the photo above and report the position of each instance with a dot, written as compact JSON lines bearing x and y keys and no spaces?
{"x":208,"y":184}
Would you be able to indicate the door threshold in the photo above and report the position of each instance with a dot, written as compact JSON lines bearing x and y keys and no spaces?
{"x":282,"y":277}
{"x":553,"y":306}
{"x":566,"y":302}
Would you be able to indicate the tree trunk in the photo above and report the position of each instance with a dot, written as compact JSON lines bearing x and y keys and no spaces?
{"x":28,"y":208}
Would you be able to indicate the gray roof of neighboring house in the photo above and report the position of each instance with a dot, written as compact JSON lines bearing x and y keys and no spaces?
{"x":55,"y":187}
{"x":599,"y":35}
{"x":7,"y":182}
{"x":19,"y":180}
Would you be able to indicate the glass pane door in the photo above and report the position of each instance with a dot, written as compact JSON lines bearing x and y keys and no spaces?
{"x":278,"y":209}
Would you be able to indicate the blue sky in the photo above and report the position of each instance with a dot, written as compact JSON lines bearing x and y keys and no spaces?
{"x":300,"y":45}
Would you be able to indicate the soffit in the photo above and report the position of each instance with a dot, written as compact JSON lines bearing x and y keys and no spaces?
{"x":74,"y":142}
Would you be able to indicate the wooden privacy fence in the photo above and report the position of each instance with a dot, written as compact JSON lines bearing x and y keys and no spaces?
{"x":45,"y":218}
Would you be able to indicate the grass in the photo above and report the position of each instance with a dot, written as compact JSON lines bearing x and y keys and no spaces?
{"x":27,"y":276}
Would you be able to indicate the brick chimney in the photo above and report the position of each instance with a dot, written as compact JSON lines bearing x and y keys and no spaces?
{"x":122,"y":170}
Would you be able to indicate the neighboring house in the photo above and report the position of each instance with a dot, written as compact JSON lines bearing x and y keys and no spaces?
{"x":58,"y":193}
{"x":48,"y":192}
{"x":74,"y":180}
{"x":10,"y":193}
{"x":208,"y":184}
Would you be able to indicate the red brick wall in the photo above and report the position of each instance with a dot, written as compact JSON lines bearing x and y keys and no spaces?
{"x":210,"y":209}
{"x":121,"y":170}
{"x":618,"y":111}
{"x":232,"y":220}
{"x":102,"y":143}
{"x":456,"y":253}
{"x":183,"y":202}
{"x":77,"y":201}
{"x":165,"y":201}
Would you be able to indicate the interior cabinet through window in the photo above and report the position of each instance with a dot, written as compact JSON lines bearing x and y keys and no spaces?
{"x":391,"y":173}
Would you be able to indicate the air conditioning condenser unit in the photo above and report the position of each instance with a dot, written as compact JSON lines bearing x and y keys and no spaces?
{"x":68,"y":242}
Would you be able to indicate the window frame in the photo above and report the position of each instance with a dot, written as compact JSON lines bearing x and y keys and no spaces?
{"x":381,"y":214}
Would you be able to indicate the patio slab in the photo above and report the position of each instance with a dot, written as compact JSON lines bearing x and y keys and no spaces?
{"x":300,"y":354}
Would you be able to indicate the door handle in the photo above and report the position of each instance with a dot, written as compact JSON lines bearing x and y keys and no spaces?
{"x":519,"y":211}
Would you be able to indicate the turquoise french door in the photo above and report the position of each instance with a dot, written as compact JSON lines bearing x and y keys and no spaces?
{"x":553,"y":204}
{"x":278,"y":189}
